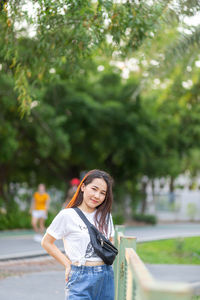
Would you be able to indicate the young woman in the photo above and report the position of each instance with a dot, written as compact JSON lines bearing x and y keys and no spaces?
{"x":86,"y":275}
{"x":39,"y":210}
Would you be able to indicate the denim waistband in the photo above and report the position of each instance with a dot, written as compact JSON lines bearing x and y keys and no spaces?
{"x":91,"y":269}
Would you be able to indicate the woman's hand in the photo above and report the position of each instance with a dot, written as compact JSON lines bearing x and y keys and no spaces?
{"x":67,"y":271}
{"x":48,"y":244}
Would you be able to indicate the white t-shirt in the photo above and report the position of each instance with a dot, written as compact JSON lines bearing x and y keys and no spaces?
{"x":67,"y":225}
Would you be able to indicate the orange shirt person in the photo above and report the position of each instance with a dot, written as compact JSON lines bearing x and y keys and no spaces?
{"x":39,"y":210}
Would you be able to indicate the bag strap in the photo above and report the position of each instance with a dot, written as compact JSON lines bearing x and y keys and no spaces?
{"x":85,"y":220}
{"x":83,"y":217}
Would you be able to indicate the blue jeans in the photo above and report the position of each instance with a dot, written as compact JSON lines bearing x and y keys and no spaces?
{"x":90,"y":283}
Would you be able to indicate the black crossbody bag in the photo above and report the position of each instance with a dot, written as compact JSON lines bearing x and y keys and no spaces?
{"x":102,"y":246}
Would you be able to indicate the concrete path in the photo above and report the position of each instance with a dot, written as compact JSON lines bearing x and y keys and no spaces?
{"x":20,"y":243}
{"x":35,"y":286}
{"x":177,"y":273}
{"x":158,"y":232}
{"x":186,"y":273}
{"x":50,"y":285}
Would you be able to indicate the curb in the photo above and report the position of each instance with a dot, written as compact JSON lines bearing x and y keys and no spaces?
{"x":25,"y":255}
{"x":167,"y":237}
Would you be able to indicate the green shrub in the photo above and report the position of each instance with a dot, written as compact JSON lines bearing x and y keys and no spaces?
{"x":150,"y":219}
{"x":118,"y":219}
{"x":14,"y":218}
{"x":3,"y":221}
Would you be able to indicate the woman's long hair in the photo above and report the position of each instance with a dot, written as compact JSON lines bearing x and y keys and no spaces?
{"x":103,"y":210}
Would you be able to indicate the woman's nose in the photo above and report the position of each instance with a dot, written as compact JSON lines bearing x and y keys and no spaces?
{"x":97,"y":195}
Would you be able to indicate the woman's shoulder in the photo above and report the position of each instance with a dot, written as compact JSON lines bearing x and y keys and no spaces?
{"x":67,"y":212}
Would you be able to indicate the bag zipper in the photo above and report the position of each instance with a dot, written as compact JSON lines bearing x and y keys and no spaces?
{"x":104,"y":242}
{"x":110,"y":246}
{"x":101,"y":242}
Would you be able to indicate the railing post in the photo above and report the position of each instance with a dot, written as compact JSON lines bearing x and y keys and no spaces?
{"x":120,"y":280}
{"x":119,"y":230}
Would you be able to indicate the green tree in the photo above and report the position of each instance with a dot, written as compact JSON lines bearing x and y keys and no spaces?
{"x":64,"y":33}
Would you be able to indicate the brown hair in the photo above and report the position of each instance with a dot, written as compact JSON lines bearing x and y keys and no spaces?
{"x":103,"y":210}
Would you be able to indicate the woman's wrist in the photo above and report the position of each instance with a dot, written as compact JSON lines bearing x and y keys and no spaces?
{"x":68,"y":265}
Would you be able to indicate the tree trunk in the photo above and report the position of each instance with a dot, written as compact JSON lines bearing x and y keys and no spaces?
{"x":144,"y":197}
{"x":171,"y":188}
{"x":153,"y":202}
{"x":3,"y":185}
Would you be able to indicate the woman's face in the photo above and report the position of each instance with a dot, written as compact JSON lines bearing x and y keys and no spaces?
{"x":94,"y":193}
{"x":41,"y":188}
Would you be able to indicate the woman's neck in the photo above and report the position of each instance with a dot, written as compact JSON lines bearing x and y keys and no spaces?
{"x":86,"y":208}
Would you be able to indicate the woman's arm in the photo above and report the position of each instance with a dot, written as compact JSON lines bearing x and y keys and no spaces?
{"x":48,"y":244}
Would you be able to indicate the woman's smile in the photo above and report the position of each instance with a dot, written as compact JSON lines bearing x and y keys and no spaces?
{"x":95,"y":201}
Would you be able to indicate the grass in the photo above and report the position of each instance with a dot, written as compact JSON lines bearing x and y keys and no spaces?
{"x":172,"y":251}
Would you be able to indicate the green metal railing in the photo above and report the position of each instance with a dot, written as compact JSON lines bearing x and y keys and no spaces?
{"x":133,"y":281}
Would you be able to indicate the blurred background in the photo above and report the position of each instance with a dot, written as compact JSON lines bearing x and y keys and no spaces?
{"x":112,"y":85}
{"x":101,"y":84}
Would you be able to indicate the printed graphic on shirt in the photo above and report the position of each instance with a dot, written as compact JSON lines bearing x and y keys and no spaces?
{"x":82,"y":227}
{"x":90,"y":251}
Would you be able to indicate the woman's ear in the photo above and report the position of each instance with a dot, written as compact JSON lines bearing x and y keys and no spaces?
{"x":83,"y":187}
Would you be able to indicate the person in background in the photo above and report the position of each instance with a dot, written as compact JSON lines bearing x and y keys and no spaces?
{"x":39,"y":211}
{"x":74,"y":183}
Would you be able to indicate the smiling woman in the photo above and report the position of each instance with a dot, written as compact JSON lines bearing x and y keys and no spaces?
{"x":87,"y":276}
{"x":94,"y":193}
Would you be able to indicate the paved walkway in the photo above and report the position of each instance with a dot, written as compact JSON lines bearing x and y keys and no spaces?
{"x":49,"y":285}
{"x":35,"y":286}
{"x":20,"y":243}
{"x":177,"y":273}
{"x":186,"y":273}
{"x":150,"y":233}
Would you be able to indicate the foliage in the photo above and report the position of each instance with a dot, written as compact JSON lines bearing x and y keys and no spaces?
{"x":149,"y":219}
{"x":118,"y":219}
{"x":174,"y":251}
{"x":14,"y":220}
{"x":65,"y":63}
{"x":57,"y":129}
{"x":13,"y":217}
{"x":64,"y":33}
{"x":17,"y":219}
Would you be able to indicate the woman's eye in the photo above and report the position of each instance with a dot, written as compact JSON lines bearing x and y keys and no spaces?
{"x":94,"y":189}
